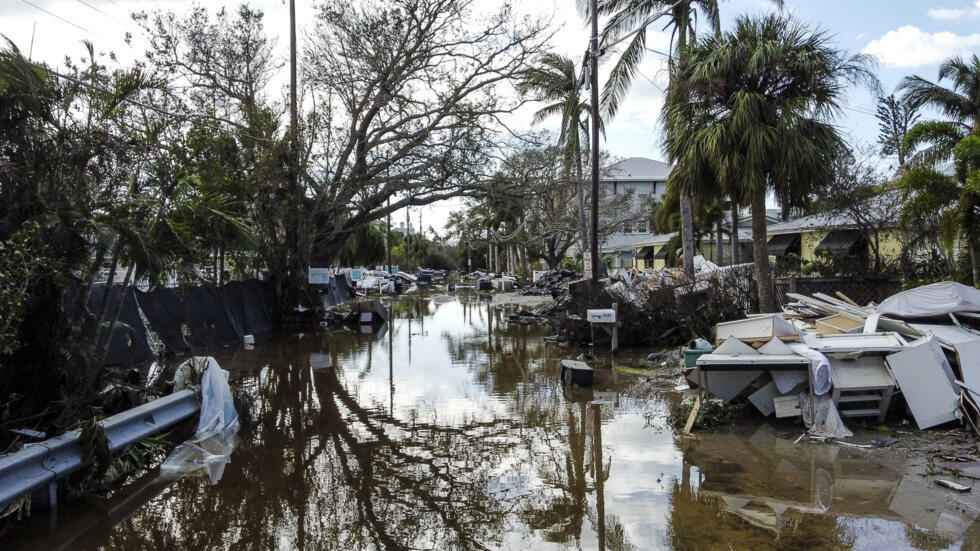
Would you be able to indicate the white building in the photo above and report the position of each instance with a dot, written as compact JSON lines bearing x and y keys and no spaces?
{"x":646,"y":181}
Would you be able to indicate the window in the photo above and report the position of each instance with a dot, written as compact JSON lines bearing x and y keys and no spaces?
{"x":627,"y":227}
{"x":641,"y":227}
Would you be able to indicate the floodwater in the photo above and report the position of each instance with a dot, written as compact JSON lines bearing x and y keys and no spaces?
{"x":448,"y":430}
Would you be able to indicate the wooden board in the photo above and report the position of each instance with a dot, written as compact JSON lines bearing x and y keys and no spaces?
{"x":787,"y":406}
{"x":839,"y":323}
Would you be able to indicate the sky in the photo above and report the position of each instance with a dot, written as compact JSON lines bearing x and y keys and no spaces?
{"x":904,"y":36}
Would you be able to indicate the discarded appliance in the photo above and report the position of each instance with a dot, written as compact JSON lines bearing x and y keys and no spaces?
{"x":862,"y":387}
{"x":923,"y":374}
{"x":574,"y":372}
{"x":757,"y":329}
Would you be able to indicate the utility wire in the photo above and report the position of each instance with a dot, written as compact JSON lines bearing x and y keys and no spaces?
{"x":56,"y":16}
{"x":86,"y":4}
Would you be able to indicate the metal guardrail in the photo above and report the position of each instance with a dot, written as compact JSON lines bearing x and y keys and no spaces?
{"x":42,"y":464}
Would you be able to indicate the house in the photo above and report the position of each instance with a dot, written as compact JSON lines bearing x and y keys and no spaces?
{"x":627,"y":191}
{"x":802,"y":241}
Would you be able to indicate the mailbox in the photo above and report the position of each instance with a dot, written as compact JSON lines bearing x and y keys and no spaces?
{"x":601,"y":316}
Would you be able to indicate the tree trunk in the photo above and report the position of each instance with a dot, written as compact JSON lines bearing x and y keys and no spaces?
{"x":760,"y":251}
{"x":734,"y":236}
{"x":719,"y":245}
{"x":86,"y":292}
{"x":583,"y":226}
{"x":687,"y":211}
{"x":221,"y":263}
{"x":974,"y":261}
{"x":687,"y":233}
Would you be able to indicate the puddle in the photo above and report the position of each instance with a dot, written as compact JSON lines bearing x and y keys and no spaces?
{"x":448,"y":430}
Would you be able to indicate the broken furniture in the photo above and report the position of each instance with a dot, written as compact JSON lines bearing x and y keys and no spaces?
{"x":926,"y":379}
{"x":734,"y":366}
{"x":574,"y":372}
{"x":862,"y":387}
{"x":757,"y":329}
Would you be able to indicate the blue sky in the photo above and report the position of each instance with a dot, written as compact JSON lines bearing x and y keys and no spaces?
{"x":906,"y":36}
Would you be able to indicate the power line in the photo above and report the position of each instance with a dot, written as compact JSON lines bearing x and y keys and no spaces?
{"x":56,"y":16}
{"x":86,"y":4}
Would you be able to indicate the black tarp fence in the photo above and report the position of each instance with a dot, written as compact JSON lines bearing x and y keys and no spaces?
{"x":338,"y":291}
{"x":186,"y":320}
{"x":128,"y":344}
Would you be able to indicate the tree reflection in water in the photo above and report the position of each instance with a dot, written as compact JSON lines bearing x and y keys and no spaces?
{"x":321,"y":467}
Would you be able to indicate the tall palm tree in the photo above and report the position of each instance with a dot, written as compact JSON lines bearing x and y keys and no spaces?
{"x":554,"y":80}
{"x":633,"y":18}
{"x":934,"y":142}
{"x":761,"y":102}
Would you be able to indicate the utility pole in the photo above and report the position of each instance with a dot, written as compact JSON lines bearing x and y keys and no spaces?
{"x":594,"y":60}
{"x":292,"y":218}
{"x":388,"y":236}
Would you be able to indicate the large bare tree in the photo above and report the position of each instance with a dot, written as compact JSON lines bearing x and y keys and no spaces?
{"x":409,"y":99}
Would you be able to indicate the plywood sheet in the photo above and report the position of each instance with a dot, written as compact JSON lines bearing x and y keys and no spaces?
{"x":947,"y":334}
{"x":788,"y":380}
{"x":776,"y":347}
{"x":787,"y":406}
{"x":839,"y":323}
{"x":734,"y":346}
{"x":728,"y":385}
{"x":762,"y":399}
{"x":921,"y":372}
{"x":968,"y":355}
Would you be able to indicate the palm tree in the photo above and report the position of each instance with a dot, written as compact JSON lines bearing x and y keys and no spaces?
{"x":633,"y":18}
{"x":934,"y":142}
{"x":760,"y":103}
{"x":555,"y":80}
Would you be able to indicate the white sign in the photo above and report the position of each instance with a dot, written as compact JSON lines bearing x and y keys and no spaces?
{"x":319,"y":276}
{"x":601,"y":316}
{"x":537,"y":275}
{"x":587,"y":265}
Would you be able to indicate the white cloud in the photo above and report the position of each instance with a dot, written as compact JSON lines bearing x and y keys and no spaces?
{"x":953,"y":15}
{"x":910,"y":46}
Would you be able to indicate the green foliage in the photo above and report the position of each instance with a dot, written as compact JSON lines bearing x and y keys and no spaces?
{"x":366,"y":247}
{"x":895,"y":118}
{"x":22,"y":259}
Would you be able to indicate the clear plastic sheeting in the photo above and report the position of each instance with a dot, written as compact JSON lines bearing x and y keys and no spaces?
{"x":821,"y":378}
{"x":209,"y":451}
{"x":821,"y":417}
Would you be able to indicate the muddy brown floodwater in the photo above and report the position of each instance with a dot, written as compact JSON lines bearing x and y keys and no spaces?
{"x":449,"y":430}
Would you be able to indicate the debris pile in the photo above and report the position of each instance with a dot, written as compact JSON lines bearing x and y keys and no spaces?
{"x":655,"y":308}
{"x":553,"y":283}
{"x":826,"y":359}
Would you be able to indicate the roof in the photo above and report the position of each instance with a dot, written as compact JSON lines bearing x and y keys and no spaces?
{"x":637,"y":169}
{"x":839,"y":242}
{"x":628,"y":242}
{"x":829,"y":221}
{"x":780,"y":244}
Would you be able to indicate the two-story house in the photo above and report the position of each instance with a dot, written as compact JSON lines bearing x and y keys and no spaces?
{"x":627,"y":190}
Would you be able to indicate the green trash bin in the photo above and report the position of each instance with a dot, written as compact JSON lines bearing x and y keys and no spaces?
{"x":695,"y":350}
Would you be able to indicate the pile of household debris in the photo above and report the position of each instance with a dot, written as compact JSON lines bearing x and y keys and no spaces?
{"x":552,"y":283}
{"x":826,"y":358}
